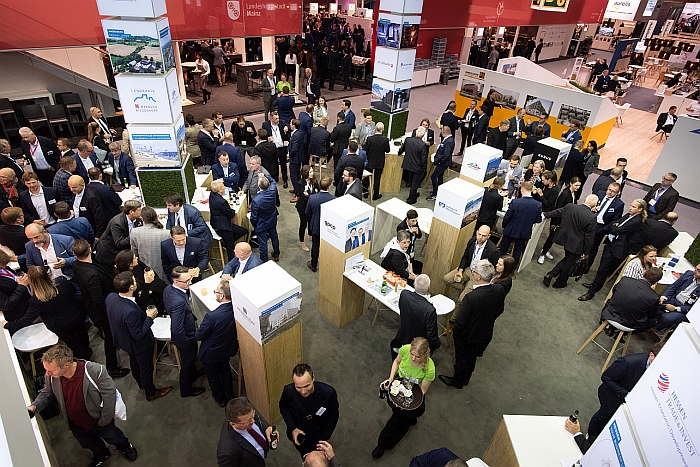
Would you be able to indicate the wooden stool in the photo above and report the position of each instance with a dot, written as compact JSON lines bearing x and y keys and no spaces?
{"x":239,"y":374}
{"x":219,"y":243}
{"x":623,"y":330}
{"x":161,"y":332}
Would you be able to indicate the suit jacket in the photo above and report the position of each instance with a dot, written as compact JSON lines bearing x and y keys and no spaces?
{"x":621,"y":181}
{"x":319,"y":142}
{"x":14,"y":299}
{"x":316,"y":427}
{"x":679,"y":285}
{"x":267,"y":152}
{"x":431,"y":135}
{"x":233,"y":179}
{"x":613,"y":211}
{"x":416,"y":159}
{"x":503,"y":169}
{"x":449,"y":119}
{"x":601,"y":84}
{"x":512,"y":130}
{"x":573,"y":167}
{"x":490,"y":252}
{"x":296,"y":148}
{"x":546,"y":128}
{"x":397,"y":262}
{"x":666,"y":202}
{"x":207,"y":145}
{"x":482,"y":128}
{"x":75,"y":227}
{"x":658,"y":233}
{"x":307,"y":123}
{"x":267,"y":88}
{"x":340,"y":136}
{"x":443,"y":154}
{"x":250,"y":187}
{"x":361,"y":132}
{"x":234,"y":157}
{"x":267,"y":126}
{"x":114,"y":239}
{"x":194,"y":222}
{"x":218,"y":335}
{"x":418,"y":319}
{"x":263,"y":209}
{"x":333,"y":60}
{"x":7,"y":161}
{"x":351,"y":160}
{"x":661,"y":121}
{"x":602,"y":183}
{"x":95,"y":286}
{"x":633,"y":303}
{"x":434,"y":458}
{"x":235,"y":451}
{"x":315,"y":87}
{"x":110,"y":200}
{"x":14,"y":238}
{"x":127,"y":172}
{"x":620,"y":378}
{"x":51,"y":197}
{"x":80,"y":166}
{"x":522,"y":214}
{"x":131,"y":327}
{"x":350,"y":118}
{"x":354,"y":190}
{"x":220,"y":213}
{"x":577,"y":227}
{"x":313,"y":209}
{"x":491,"y":203}
{"x":376,"y":147}
{"x":623,"y":232}
{"x":177,"y":305}
{"x":480,"y":308}
{"x":285,"y":108}
{"x":61,"y":314}
{"x":232,"y":266}
{"x":62,"y":245}
{"x":48,"y":147}
{"x":196,"y":256}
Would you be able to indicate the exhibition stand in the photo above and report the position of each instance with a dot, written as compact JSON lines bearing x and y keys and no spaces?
{"x":346,"y":231}
{"x":456,"y":209}
{"x":389,"y":215}
{"x":268,"y":322}
{"x":480,"y":164}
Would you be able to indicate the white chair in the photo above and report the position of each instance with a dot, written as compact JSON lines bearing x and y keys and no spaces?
{"x":610,"y":95}
{"x":161,"y":332}
{"x":621,"y":109}
{"x":219,"y":242}
{"x":623,"y":330}
{"x":370,"y":175}
{"x":476,"y":462}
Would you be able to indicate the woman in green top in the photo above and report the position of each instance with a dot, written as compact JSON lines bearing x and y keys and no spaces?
{"x":413,"y":362}
{"x":282,"y":83}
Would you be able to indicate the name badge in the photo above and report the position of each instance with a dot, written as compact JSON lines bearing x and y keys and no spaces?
{"x":652,"y":202}
{"x":191,"y":253}
{"x":52,"y":201}
{"x":321,"y":411}
{"x":611,"y":210}
{"x":83,"y":208}
{"x":48,"y":153}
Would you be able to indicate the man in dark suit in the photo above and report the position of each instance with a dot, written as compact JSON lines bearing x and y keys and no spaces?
{"x":278,"y":134}
{"x":131,"y":331}
{"x":219,"y":343}
{"x":313,"y":88}
{"x":313,"y":211}
{"x":296,"y":155}
{"x":116,"y":236}
{"x":285,"y":106}
{"x":467,"y":125}
{"x":42,"y":154}
{"x":474,"y":327}
{"x":322,"y":66}
{"x":634,"y":302}
{"x":85,"y":159}
{"x":667,"y":120}
{"x":435,"y":458}
{"x":207,"y":142}
{"x":243,"y":261}
{"x":658,"y":233}
{"x":268,"y":91}
{"x":75,"y":227}
{"x":309,"y":408}
{"x":306,"y":123}
{"x":12,"y":231}
{"x":377,"y":146}
{"x":237,"y":450}
{"x":226,"y":171}
{"x":351,"y":185}
{"x":515,"y":132}
{"x":95,"y":286}
{"x":267,"y":152}
{"x":482,"y":127}
{"x":678,"y":299}
{"x":662,"y":197}
{"x":182,"y":329}
{"x":573,"y":167}
{"x":351,"y":159}
{"x":234,"y":157}
{"x":608,"y":211}
{"x":340,"y":137}
{"x":62,"y":247}
{"x":123,"y":171}
{"x":601,"y":84}
{"x":182,"y":250}
{"x":37,"y":202}
{"x":449,"y":119}
{"x":7,"y":161}
{"x":541,"y":121}
{"x":349,"y":114}
{"x":615,"y":249}
{"x":243,"y":135}
{"x":346,"y":69}
{"x":621,"y":163}
{"x":333,"y":67}
{"x":110,"y":200}
{"x":188,"y":217}
{"x":415,"y":162}
{"x":86,"y":203}
{"x":604,"y":181}
{"x":442,"y":160}
{"x":418,"y":317}
{"x":429,"y":136}
{"x":521,"y":215}
{"x":618,"y":381}
{"x":263,"y":216}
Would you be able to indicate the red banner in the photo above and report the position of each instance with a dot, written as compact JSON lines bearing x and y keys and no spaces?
{"x":42,"y":24}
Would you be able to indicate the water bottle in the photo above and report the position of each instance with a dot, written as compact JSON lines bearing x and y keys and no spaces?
{"x":383,"y":285}
{"x":273,"y":438}
{"x":573,"y":418}
{"x":46,"y":267}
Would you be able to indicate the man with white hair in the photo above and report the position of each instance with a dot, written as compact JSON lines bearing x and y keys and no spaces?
{"x":415,"y":162}
{"x":418,"y":317}
{"x":313,"y":89}
{"x":42,"y":154}
{"x":474,"y":327}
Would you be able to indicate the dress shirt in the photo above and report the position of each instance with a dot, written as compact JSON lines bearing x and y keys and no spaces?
{"x":695,"y":110}
{"x":601,"y":210}
{"x":179,"y":221}
{"x":225,"y":169}
{"x":39,"y":203}
{"x":50,"y":256}
{"x":248,"y":437}
{"x":478,"y":249}
{"x":133,"y":299}
{"x":131,"y":224}
{"x":38,"y":155}
{"x":87,"y":163}
{"x":669,"y":120}
{"x":276,"y":136}
{"x":241,"y":266}
{"x":347,"y":189}
{"x":116,"y":169}
{"x":76,"y":203}
{"x":425,"y":137}
{"x":612,"y":237}
{"x":272,"y":86}
{"x":308,"y":87}
{"x":102,"y":124}
{"x":468,"y":117}
{"x":180,"y":253}
{"x":685,"y":294}
{"x":657,"y":195}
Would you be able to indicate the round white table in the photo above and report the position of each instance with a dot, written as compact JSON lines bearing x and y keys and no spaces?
{"x":34,"y":338}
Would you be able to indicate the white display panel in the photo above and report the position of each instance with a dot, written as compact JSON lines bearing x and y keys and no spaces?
{"x":694,"y":316}
{"x":139,"y":46}
{"x":621,"y":9}
{"x":402,"y":6}
{"x":346,"y":223}
{"x":158,"y":145}
{"x":149,"y":98}
{"x":615,"y":446}
{"x":481,"y":162}
{"x":458,"y":202}
{"x":393,"y":64}
{"x":665,"y":406}
{"x":132,"y":8}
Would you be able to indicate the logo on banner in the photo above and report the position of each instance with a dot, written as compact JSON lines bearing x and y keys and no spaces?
{"x":234,"y":9}
{"x":664,"y":382}
{"x":499,"y":9}
{"x":382,"y":62}
{"x":474,"y":166}
{"x":144,"y":102}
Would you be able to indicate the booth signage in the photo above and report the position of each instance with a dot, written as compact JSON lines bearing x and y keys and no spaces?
{"x":142,"y":47}
{"x":149,"y":99}
{"x":622,"y":9}
{"x":394,"y":64}
{"x":649,"y":9}
{"x":550,"y":5}
{"x":346,"y":223}
{"x":458,"y":202}
{"x":402,"y":6}
{"x":158,"y":145}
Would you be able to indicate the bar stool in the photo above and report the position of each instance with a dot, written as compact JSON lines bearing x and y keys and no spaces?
{"x":623,"y":331}
{"x":217,"y":238}
{"x":370,"y":175}
{"x":161,"y":332}
{"x":34,"y":115}
{"x":8,"y":117}
{"x":57,"y":115}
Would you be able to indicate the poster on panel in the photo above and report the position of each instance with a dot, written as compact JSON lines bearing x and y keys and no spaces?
{"x":397,"y":31}
{"x":158,"y":145}
{"x":139,"y":46}
{"x":359,"y":231}
{"x":537,"y":106}
{"x":504,"y":97}
{"x":394,"y":64}
{"x":281,"y":315}
{"x":509,"y":68}
{"x":471,"y":89}
{"x":481,"y":162}
{"x":568,"y":113}
{"x":346,"y":223}
{"x":390,"y":97}
{"x":457,"y":201}
{"x":149,"y":98}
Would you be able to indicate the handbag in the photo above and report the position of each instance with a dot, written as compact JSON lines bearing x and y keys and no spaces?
{"x":579,"y":268}
{"x":119,"y":407}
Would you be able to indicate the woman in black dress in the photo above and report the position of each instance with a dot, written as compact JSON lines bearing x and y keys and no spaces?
{"x":547,"y":194}
{"x":149,"y":287}
{"x":505,"y":271}
{"x":491,"y":203}
{"x":306,"y":186}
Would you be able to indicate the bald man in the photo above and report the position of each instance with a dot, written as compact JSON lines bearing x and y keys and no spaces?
{"x":324,"y":457}
{"x":86,"y":203}
{"x":244,"y":261}
{"x":10,"y":187}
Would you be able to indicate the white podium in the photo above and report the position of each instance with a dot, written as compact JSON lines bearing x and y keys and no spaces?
{"x":480,"y":164}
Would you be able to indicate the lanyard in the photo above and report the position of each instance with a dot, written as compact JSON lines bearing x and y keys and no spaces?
{"x":34,"y":147}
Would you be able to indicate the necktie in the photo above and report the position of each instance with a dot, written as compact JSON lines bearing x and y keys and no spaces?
{"x":601,"y":211}
{"x":116,"y":170}
{"x":177,"y":219}
{"x":259,"y":439}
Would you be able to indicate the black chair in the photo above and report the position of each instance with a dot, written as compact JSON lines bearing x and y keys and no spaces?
{"x":58,"y":117}
{"x":74,"y":106}
{"x":255,"y":79}
{"x":8,"y":117}
{"x":34,"y":115}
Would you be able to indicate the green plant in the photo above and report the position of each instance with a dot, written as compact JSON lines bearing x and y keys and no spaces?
{"x":399,"y":122}
{"x":189,"y":176}
{"x":157,"y":183}
{"x":379,"y":116}
{"x":693,"y":253}
{"x":580,"y":87}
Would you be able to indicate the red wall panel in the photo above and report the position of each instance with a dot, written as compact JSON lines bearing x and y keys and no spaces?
{"x":426,"y":36}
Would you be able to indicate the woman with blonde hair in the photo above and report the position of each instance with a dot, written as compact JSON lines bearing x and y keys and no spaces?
{"x":413,"y":364}
{"x":645,"y":259}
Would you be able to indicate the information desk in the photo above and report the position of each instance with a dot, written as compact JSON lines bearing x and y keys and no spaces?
{"x":531,"y":441}
{"x":243,"y":74}
{"x":389,"y":215}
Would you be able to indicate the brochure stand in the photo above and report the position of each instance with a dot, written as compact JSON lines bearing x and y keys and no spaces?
{"x":268,"y":323}
{"x":346,"y":230}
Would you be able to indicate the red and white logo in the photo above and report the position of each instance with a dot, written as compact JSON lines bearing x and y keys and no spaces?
{"x":234,"y":9}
